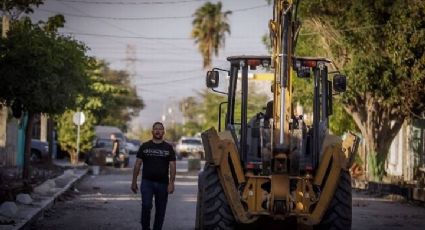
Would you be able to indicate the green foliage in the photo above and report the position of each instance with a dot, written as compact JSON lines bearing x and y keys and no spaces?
{"x":189,"y":107}
{"x":51,"y":69}
{"x":256,"y":103}
{"x":17,"y":7}
{"x":209,"y":28}
{"x":311,"y":44}
{"x":40,"y":71}
{"x":340,"y":122}
{"x":385,"y":45}
{"x":173,"y":132}
{"x":209,"y":109}
{"x":112,"y":99}
{"x":203,"y":113}
{"x":380,"y":45}
{"x":144,"y":134}
{"x":67,"y":132}
{"x":53,"y":23}
{"x":376,"y":164}
{"x":191,"y":128}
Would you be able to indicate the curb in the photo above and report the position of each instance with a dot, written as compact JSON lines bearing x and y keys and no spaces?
{"x":36,"y":210}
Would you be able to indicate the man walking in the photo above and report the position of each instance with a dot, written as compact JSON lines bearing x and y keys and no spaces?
{"x":159,"y":161}
{"x":116,"y":150}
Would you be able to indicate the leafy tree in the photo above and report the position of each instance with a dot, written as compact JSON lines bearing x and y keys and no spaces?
{"x":190,"y":108}
{"x":110,"y":100}
{"x":144,"y":134}
{"x":310,"y":44}
{"x":113,"y":101}
{"x":380,"y":45}
{"x":208,"y":109}
{"x":172,"y":132}
{"x":16,"y":8}
{"x":51,"y":73}
{"x":67,"y":134}
{"x":209,"y":29}
{"x":203,"y":113}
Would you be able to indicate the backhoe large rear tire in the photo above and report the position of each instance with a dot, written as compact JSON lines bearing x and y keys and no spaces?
{"x":338,"y":216}
{"x":213,"y":212}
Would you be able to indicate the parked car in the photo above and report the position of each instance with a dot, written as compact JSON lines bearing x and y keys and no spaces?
{"x":132,"y":146}
{"x":39,"y":150}
{"x":101,"y":154}
{"x":190,"y":147}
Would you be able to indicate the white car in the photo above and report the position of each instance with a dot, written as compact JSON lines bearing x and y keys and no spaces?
{"x":132,"y":146}
{"x":190,"y":147}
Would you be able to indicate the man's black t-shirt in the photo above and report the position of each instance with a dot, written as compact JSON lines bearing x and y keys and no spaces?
{"x":156,"y":158}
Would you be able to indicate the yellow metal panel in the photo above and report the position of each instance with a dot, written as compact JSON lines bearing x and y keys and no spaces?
{"x":223,"y":150}
{"x":213,"y":155}
{"x":222,"y":145}
{"x":263,"y":76}
{"x":231,"y":191}
{"x":330,"y":140}
{"x":254,"y":195}
{"x":333,"y":153}
{"x":234,"y":156}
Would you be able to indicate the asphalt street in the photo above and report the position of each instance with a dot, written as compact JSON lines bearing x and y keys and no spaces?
{"x":105,"y":201}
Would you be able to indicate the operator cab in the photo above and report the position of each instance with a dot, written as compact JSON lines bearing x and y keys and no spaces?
{"x":249,"y":114}
{"x":248,"y":93}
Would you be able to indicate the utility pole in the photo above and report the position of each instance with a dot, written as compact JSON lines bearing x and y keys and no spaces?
{"x":131,"y":58}
{"x":3,"y":108}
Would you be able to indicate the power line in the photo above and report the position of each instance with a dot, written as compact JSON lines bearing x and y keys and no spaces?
{"x":112,"y":39}
{"x":138,"y":37}
{"x":140,"y":18}
{"x":123,"y":36}
{"x":113,"y":25}
{"x":115,"y":18}
{"x":104,"y":21}
{"x":129,"y":3}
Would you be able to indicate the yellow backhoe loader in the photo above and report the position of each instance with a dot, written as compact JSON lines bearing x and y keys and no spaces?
{"x":277,"y":169}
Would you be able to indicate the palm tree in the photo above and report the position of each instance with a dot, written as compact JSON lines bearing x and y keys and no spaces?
{"x":209,"y":29}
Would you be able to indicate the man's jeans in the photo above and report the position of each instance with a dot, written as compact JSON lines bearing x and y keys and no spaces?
{"x":149,"y":189}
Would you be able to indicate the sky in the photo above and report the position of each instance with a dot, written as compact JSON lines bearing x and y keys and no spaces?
{"x":151,"y":40}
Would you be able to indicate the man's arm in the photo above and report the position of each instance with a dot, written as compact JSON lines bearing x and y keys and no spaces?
{"x":172,"y":176}
{"x":136,"y":171}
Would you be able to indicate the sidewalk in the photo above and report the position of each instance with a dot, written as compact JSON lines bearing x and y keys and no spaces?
{"x":42,"y":198}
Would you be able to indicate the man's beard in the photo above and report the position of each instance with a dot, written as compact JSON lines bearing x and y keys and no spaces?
{"x":158,"y":136}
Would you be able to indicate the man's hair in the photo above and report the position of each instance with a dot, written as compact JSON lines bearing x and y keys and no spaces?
{"x":158,"y":123}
